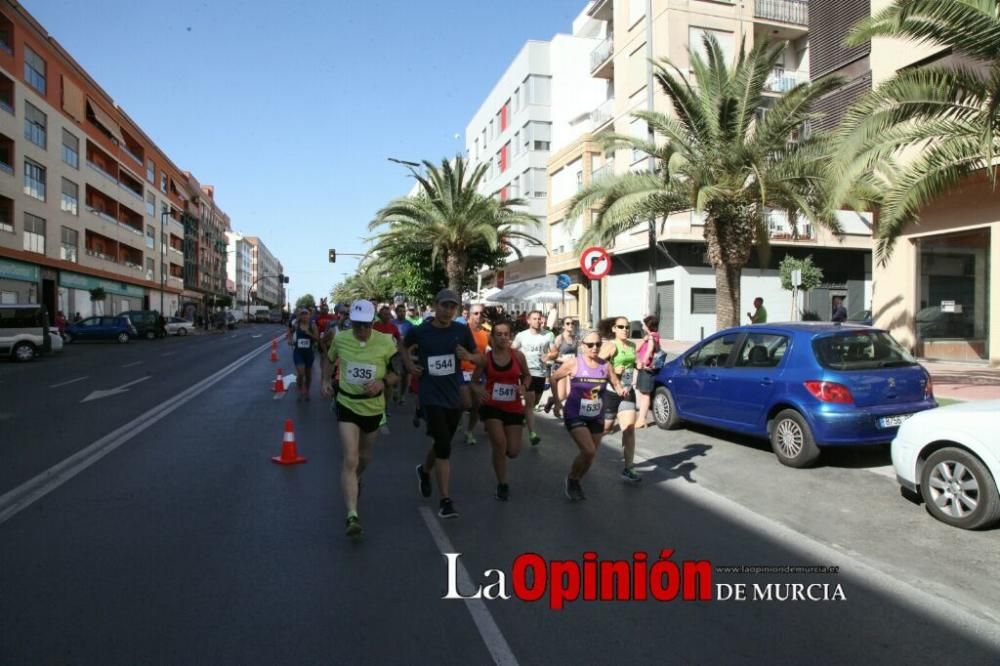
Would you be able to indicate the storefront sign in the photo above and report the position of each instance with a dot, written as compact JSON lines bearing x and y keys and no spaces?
{"x":15,"y":270}
{"x":86,"y":283}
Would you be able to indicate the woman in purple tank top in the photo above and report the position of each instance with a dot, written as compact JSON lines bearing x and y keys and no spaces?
{"x":583,"y":411}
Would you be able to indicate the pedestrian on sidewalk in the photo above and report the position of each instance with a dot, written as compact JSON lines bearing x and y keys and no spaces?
{"x":441,"y":346}
{"x":362,"y":358}
{"x":839,"y":313}
{"x":506,"y":374}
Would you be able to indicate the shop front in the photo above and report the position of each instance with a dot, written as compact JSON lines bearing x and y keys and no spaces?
{"x":19,"y":282}
{"x":76,"y":295}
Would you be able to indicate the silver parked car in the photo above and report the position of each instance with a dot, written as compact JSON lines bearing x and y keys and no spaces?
{"x":178,"y":326}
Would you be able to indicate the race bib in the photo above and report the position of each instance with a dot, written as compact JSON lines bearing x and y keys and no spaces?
{"x":467,"y":376}
{"x":628,"y":377}
{"x":441,"y":366}
{"x":591,"y":408}
{"x":359,"y":373}
{"x":304,"y":343}
{"x":504,"y":392}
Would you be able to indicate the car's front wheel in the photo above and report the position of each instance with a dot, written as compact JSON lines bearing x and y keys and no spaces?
{"x":792,"y":439}
{"x":665,"y":409}
{"x":959,"y":490}
{"x":122,"y":337}
{"x":182,"y":331}
{"x":23,"y":352}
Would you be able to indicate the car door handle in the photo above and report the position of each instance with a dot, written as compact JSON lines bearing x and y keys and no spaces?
{"x":713,"y":378}
{"x":767,"y":381}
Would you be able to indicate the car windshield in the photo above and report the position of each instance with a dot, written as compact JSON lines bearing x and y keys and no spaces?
{"x":863,"y":350}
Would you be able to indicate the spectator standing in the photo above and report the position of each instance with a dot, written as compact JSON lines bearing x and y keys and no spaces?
{"x":759,"y":315}
{"x":839,"y":311}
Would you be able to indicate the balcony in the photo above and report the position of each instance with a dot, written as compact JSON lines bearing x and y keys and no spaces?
{"x":602,"y":10}
{"x":795,"y":12}
{"x":782,"y":81}
{"x":602,"y":62}
{"x":603,"y":172}
{"x":780,"y":228}
{"x":603,"y":115}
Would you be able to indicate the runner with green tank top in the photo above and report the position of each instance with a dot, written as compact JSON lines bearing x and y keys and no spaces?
{"x":620,"y":405}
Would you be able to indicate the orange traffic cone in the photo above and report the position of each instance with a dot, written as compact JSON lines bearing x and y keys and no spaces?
{"x":274,"y":344}
{"x":279,"y":383}
{"x":274,"y":354}
{"x":289,"y":456}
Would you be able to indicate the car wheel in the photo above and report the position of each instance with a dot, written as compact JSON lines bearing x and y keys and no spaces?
{"x":959,"y":490}
{"x":122,"y":338}
{"x":150,"y":335}
{"x":23,"y":352}
{"x":182,"y":331}
{"x":665,"y":409}
{"x":792,"y":440}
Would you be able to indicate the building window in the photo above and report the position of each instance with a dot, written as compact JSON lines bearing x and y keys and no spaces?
{"x":70,"y":150}
{"x":727,"y":41}
{"x":34,"y":180}
{"x":70,"y":197}
{"x":150,"y":203}
{"x":68,"y":245}
{"x":150,"y":236}
{"x":6,"y":94}
{"x":6,"y":214}
{"x":163,"y":182}
{"x":34,"y":70}
{"x":534,"y":181}
{"x":517,"y":142}
{"x":35,"y":124}
{"x":6,"y":35}
{"x":537,"y":136}
{"x":151,"y":172}
{"x":150,"y":268}
{"x":703,"y":301}
{"x":34,"y":233}
{"x":6,"y":155}
{"x":515,"y":187}
{"x":517,"y":99}
{"x":579,"y":181}
{"x":538,"y":90}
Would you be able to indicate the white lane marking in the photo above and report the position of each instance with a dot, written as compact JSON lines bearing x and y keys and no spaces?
{"x":259,"y":335}
{"x":129,"y":365}
{"x":495,"y":642}
{"x":168,"y":354}
{"x":966,"y":615}
{"x":29,"y":492}
{"x":72,"y":381}
{"x":97,"y":395}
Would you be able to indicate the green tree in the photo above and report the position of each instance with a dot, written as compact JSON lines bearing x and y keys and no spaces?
{"x":306,"y":301}
{"x":948,"y":117}
{"x":812,"y":275}
{"x":720,"y":156}
{"x":449,"y":220}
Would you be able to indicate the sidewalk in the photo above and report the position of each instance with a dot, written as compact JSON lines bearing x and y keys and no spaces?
{"x":954,"y":381}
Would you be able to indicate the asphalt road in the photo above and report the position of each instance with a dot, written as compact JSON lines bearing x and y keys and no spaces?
{"x":187,"y":545}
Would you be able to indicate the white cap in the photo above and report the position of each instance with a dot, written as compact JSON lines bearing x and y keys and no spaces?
{"x":363,"y":311}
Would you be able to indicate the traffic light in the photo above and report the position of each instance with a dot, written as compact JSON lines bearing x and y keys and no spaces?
{"x":284,"y":279}
{"x":333,"y":256}
{"x":281,"y":277}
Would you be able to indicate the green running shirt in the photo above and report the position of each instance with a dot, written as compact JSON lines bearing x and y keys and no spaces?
{"x":360,"y":363}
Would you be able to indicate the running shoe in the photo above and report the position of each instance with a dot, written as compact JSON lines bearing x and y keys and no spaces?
{"x":416,"y":417}
{"x":423,"y":481}
{"x":447,"y":509}
{"x":384,"y":429}
{"x":470,"y":439}
{"x":534,"y":438}
{"x":353,"y":526}
{"x":503,"y":492}
{"x":630,"y":475}
{"x":573,"y":490}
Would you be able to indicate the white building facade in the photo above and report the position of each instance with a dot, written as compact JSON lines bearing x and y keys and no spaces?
{"x":239,"y":257}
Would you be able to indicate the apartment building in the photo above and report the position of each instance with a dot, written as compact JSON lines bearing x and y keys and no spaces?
{"x":205,"y":227}
{"x":685,"y":280}
{"x":544,"y":88}
{"x":239,"y":254}
{"x":83,"y":189}
{"x":266,"y":287}
{"x":938,"y":293}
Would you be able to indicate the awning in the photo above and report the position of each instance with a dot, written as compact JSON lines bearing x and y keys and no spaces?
{"x":73,"y":100}
{"x":105,"y":121}
{"x":529,"y":291}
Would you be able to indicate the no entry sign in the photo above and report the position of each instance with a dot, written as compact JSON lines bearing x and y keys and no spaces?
{"x":595,"y":262}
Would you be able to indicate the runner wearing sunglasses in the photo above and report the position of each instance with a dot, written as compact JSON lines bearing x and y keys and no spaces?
{"x":620,"y":404}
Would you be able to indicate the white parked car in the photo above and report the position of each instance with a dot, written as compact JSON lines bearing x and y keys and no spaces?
{"x":950,"y":458}
{"x":178,"y":326}
{"x":57,"y":341}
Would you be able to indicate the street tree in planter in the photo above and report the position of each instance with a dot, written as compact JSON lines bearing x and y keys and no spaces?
{"x":812,"y":276}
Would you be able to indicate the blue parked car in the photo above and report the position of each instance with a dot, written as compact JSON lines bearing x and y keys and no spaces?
{"x":118,"y":328}
{"x":801,"y":385}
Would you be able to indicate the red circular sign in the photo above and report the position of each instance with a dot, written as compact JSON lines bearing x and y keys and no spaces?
{"x":595,"y":262}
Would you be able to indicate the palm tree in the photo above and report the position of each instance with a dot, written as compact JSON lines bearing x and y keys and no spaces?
{"x":449,"y":218}
{"x":951,"y":114}
{"x":722,"y":158}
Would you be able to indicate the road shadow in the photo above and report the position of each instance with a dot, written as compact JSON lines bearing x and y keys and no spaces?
{"x":680,"y":464}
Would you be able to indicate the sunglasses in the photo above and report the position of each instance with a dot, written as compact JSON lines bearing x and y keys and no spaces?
{"x":591,"y":345}
{"x":475,"y":314}
{"x":620,"y":327}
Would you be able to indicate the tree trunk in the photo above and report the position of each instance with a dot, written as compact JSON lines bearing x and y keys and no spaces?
{"x":651,"y":274}
{"x":727,"y":296}
{"x":454,"y":266}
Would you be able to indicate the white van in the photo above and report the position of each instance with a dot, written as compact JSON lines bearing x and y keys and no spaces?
{"x":24,"y":331}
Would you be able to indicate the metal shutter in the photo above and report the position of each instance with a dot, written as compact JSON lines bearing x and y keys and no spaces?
{"x":702,"y":301}
{"x":665,"y":309}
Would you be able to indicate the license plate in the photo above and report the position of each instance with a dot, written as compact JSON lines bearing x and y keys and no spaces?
{"x":893,"y":421}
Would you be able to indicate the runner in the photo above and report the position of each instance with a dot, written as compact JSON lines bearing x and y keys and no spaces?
{"x":441,"y":345}
{"x":536,"y":345}
{"x":589,"y":375}
{"x":303,"y":338}
{"x":404,"y":326}
{"x":384,"y":325}
{"x":620,"y":404}
{"x":566,"y":347}
{"x":502,"y":411}
{"x":362,"y":357}
{"x":471,"y":398}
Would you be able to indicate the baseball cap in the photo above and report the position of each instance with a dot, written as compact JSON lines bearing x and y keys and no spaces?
{"x":447,"y":296}
{"x":362,"y":311}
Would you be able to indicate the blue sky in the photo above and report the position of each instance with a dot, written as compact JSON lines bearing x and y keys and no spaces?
{"x":291,"y":115}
